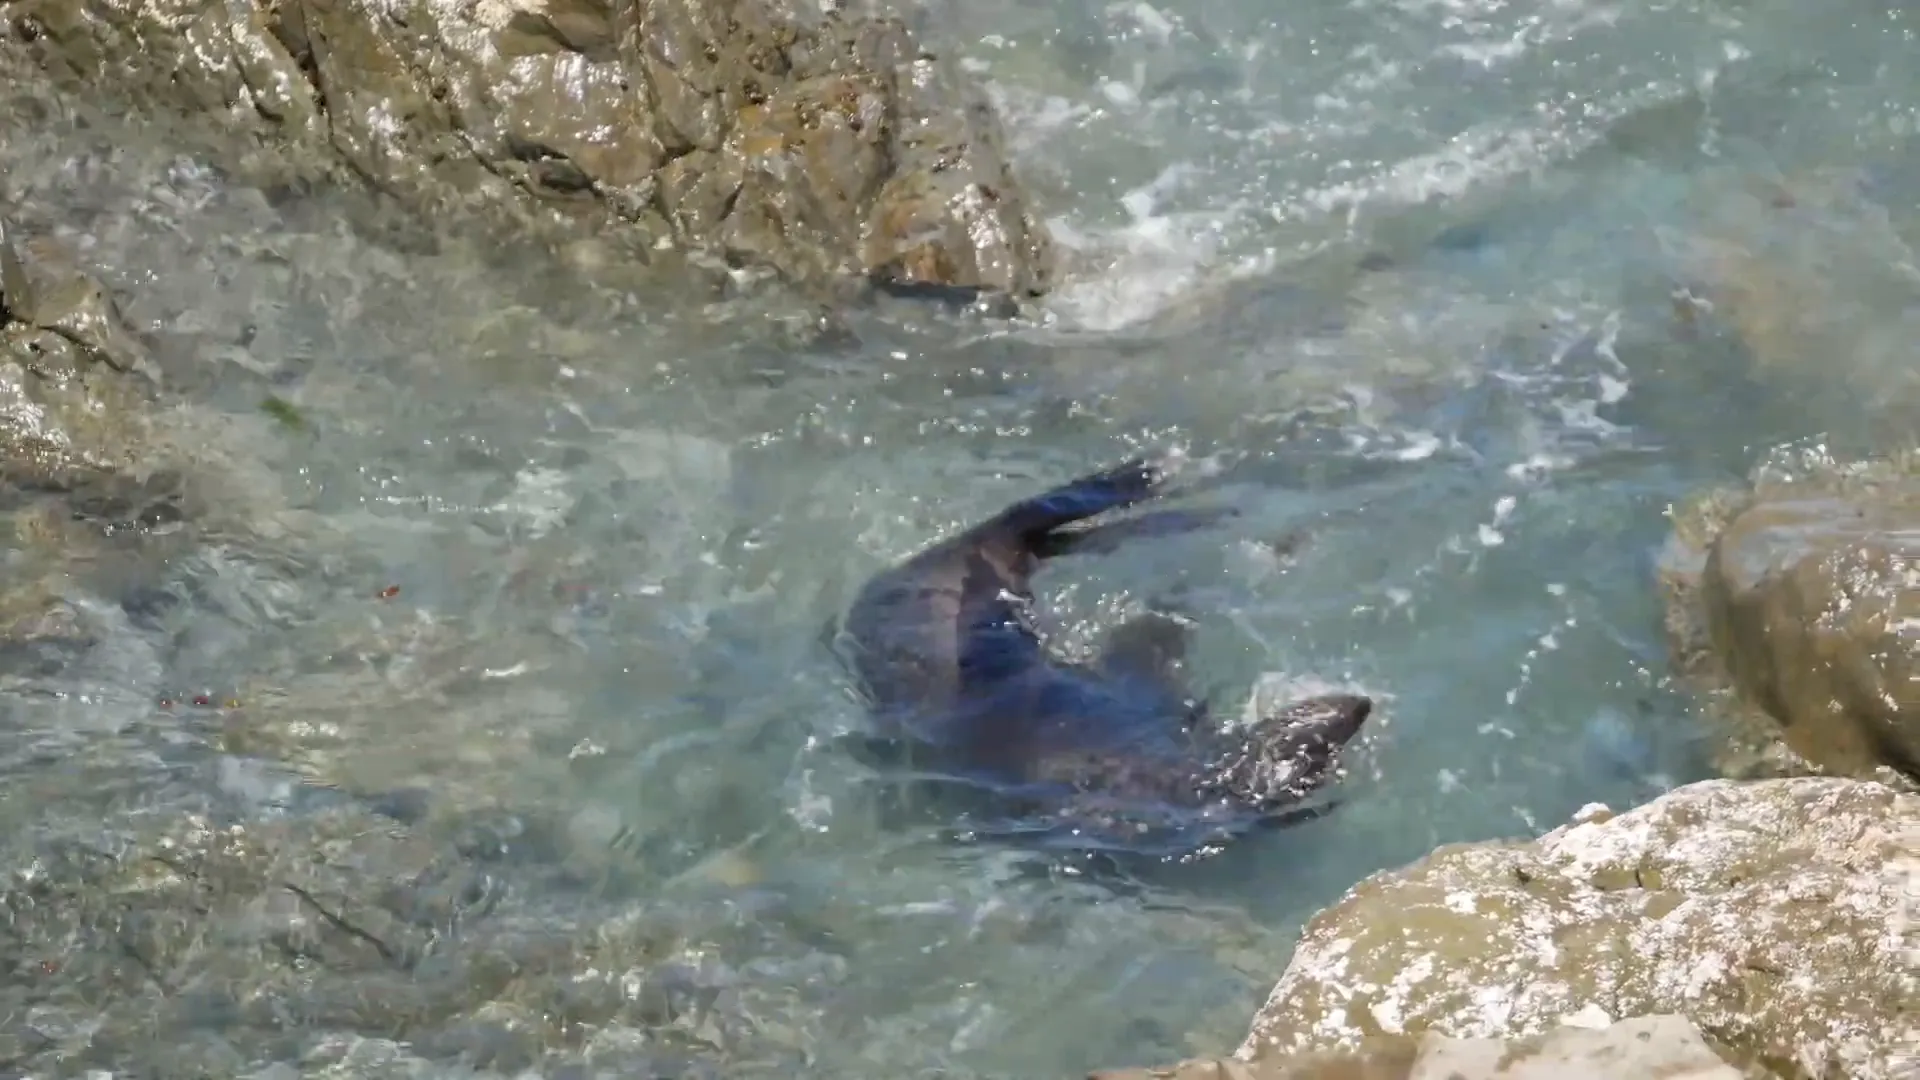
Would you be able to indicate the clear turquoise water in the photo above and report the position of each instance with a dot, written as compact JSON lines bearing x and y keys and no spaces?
{"x":618,"y":527}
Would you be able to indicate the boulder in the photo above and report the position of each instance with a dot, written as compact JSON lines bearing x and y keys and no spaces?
{"x":1795,"y":602}
{"x":1663,"y":1046}
{"x":1770,"y":913}
{"x":816,"y":147}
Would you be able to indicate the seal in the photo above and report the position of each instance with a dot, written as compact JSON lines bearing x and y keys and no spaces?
{"x":958,"y":683}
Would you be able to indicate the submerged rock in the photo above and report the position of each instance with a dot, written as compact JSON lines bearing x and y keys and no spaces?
{"x":104,"y":474}
{"x":1811,"y":276}
{"x":181,"y":947}
{"x":1795,"y":600}
{"x":1663,"y":1046}
{"x":73,"y":379}
{"x":94,"y":490}
{"x":819,"y":148}
{"x":1766,"y":912}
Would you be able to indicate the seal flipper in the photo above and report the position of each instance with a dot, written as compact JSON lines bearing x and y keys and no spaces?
{"x":1121,"y":486}
{"x":1104,"y":538}
{"x":995,"y":640}
{"x":1051,"y":523}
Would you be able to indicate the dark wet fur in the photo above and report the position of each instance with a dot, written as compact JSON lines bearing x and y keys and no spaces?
{"x":1112,"y":752}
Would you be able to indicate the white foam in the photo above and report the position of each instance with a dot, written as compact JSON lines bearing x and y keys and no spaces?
{"x":1142,"y":268}
{"x":1136,"y":269}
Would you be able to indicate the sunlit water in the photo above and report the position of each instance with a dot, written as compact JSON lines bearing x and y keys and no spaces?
{"x":1457,"y":387}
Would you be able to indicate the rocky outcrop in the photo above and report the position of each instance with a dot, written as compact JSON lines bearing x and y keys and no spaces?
{"x":1652,"y":1046}
{"x":1770,"y":913}
{"x":1794,"y":602}
{"x":816,"y":147}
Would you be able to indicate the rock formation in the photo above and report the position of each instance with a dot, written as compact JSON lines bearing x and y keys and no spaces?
{"x":813,"y":146}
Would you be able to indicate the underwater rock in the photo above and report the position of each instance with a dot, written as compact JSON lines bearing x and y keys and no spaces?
{"x":1809,"y":275}
{"x":1666,"y":1046}
{"x":1794,"y":601}
{"x":343,"y":940}
{"x":821,"y":148}
{"x":73,"y":379}
{"x":1760,"y":910}
{"x":105,"y":474}
{"x":96,"y":487}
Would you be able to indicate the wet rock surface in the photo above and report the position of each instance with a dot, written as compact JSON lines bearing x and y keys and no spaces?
{"x":1662,"y":1046}
{"x":817,"y":148}
{"x":344,"y":941}
{"x":1762,"y":911}
{"x":1793,"y":602}
{"x":76,"y":381}
{"x":93,"y":489}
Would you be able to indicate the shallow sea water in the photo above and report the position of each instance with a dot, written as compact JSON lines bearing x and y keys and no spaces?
{"x":624,"y":531}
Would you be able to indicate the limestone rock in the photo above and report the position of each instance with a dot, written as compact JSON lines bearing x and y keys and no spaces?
{"x":819,"y":148}
{"x":1387,"y":1057}
{"x":1770,"y":913}
{"x":1798,"y":597}
{"x":1662,"y":1046}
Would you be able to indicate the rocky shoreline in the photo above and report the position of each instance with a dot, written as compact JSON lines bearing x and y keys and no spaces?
{"x":749,"y":135}
{"x":1765,"y":916}
{"x":1760,"y":925}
